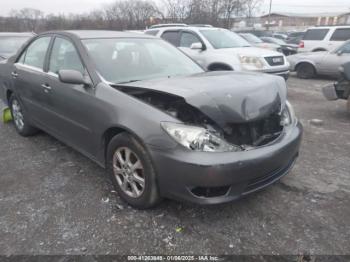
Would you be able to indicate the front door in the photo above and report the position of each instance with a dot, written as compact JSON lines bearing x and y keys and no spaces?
{"x":72,"y":105}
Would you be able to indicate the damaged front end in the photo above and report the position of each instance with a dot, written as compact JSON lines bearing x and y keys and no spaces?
{"x":213,"y":128}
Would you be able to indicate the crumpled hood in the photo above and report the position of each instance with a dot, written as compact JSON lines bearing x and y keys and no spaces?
{"x":225,"y":97}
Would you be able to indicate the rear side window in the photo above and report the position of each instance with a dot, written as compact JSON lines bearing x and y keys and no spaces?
{"x":315,"y":34}
{"x":36,"y":52}
{"x":341,"y":34}
{"x":152,"y":32}
{"x":172,"y":37}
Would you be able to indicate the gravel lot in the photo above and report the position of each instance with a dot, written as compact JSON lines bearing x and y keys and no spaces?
{"x":55,"y":201}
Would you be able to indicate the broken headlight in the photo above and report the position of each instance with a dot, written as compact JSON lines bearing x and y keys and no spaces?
{"x":288,"y":115}
{"x":197,"y":138}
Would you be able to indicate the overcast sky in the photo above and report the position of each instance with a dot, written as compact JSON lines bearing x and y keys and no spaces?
{"x":81,"y":6}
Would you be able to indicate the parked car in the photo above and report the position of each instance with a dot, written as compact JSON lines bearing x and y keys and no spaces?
{"x":324,"y":38}
{"x":295,"y":41}
{"x":294,"y":35}
{"x":341,"y":88}
{"x":257,"y":42}
{"x":11,"y":42}
{"x":220,"y":49}
{"x":159,"y":124}
{"x":287,"y":49}
{"x":308,"y":65}
{"x":282,"y":36}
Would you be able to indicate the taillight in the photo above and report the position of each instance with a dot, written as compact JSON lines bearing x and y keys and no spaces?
{"x":301,"y":44}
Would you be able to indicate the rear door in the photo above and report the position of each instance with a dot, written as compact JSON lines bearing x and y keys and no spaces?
{"x":314,"y":39}
{"x":71,"y":105}
{"x":28,"y":76}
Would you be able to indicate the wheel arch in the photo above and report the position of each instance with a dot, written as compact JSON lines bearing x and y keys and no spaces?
{"x":305,"y":62}
{"x":113,"y":131}
{"x":226,"y":66}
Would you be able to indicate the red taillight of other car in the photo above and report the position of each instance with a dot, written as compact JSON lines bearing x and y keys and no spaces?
{"x":301,"y":44}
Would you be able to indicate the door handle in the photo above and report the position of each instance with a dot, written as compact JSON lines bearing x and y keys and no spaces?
{"x":46,"y":87}
{"x":14,"y":74}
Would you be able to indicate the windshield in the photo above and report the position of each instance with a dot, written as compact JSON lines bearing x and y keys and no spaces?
{"x":222,"y":38}
{"x":10,"y":44}
{"x":252,"y":38}
{"x":121,"y":60}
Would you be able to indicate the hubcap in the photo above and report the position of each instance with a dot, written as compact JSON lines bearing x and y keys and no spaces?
{"x":17,"y":114}
{"x":129,"y":172}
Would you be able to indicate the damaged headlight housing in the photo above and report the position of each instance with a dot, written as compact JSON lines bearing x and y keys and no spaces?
{"x":288,"y":115}
{"x":251,"y":62}
{"x":197,"y":138}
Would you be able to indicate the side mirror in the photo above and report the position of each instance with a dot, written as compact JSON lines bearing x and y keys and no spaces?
{"x":197,"y":46}
{"x":73,"y":77}
{"x":339,"y":52}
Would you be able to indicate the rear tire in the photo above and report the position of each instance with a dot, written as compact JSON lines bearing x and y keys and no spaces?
{"x":306,"y":71}
{"x":20,"y":118}
{"x":136,"y":186}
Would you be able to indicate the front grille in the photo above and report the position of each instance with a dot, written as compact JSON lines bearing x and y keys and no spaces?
{"x":256,"y":133}
{"x":275,"y":60}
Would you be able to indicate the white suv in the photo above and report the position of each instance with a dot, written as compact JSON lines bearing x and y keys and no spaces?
{"x":221,"y":49}
{"x":324,"y":38}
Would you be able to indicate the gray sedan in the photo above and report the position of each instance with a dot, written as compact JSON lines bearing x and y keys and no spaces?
{"x":159,"y":124}
{"x":308,"y":65}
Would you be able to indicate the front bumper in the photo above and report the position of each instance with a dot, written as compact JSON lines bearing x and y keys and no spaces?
{"x":212,"y":178}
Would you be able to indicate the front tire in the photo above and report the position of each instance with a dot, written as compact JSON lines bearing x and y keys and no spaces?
{"x":132,"y":172}
{"x":20,"y":118}
{"x":306,"y":71}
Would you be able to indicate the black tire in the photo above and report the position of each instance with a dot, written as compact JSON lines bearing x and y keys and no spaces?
{"x":25,"y":129}
{"x":150,"y":196}
{"x":306,"y":71}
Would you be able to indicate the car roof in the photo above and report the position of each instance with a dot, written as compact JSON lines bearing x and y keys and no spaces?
{"x":17,"y":34}
{"x":91,"y":34}
{"x":193,"y":28}
{"x":329,"y":27}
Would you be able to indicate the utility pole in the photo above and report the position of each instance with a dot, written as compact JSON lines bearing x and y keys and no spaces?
{"x":268,"y":19}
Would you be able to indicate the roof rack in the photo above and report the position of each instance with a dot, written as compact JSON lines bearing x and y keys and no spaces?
{"x":167,"y":25}
{"x":200,"y":25}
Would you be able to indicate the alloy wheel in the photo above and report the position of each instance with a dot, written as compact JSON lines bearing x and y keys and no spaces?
{"x":17,"y":114}
{"x":129,"y":172}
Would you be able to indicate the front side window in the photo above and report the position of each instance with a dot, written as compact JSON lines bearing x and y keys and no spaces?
{"x":122,"y":60}
{"x":315,"y":34}
{"x":341,"y":34}
{"x":187,"y":39}
{"x":36,"y":52}
{"x":222,"y":38}
{"x":64,"y":56}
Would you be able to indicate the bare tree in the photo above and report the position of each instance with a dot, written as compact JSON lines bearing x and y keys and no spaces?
{"x":30,"y":17}
{"x":251,"y":7}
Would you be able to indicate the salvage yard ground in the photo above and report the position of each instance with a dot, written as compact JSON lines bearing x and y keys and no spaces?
{"x":55,"y":201}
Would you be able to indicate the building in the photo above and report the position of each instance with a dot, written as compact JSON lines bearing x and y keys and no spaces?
{"x":283,"y":20}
